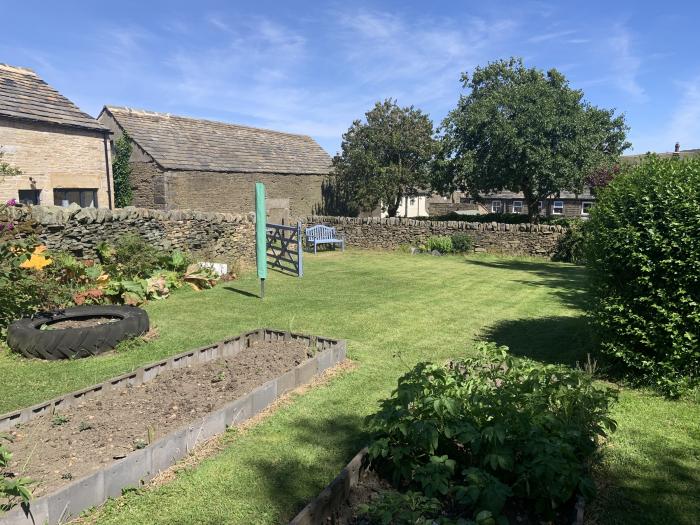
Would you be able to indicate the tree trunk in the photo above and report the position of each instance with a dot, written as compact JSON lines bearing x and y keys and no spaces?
{"x":532,"y":211}
{"x":393,"y":207}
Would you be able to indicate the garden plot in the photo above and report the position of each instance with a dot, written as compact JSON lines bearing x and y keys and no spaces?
{"x":88,"y":445}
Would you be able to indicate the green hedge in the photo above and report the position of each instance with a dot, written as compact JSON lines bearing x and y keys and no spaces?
{"x":644,"y":254}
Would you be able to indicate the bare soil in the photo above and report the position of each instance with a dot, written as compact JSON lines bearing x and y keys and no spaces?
{"x":79,"y":322}
{"x":55,"y":449}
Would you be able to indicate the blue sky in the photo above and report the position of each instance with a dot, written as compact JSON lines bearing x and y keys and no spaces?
{"x":314,"y":67}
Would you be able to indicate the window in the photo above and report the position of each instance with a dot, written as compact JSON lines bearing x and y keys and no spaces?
{"x":496,"y":207}
{"x":29,"y":197}
{"x":541,"y":208}
{"x":558,"y":208}
{"x":517,"y":206}
{"x":86,"y":198}
{"x":586,"y":207}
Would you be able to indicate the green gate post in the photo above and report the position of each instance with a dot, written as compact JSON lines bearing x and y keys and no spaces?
{"x":261,"y":235}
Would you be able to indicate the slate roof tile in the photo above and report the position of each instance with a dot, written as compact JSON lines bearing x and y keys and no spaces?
{"x":183,"y":143}
{"x":23,"y":95}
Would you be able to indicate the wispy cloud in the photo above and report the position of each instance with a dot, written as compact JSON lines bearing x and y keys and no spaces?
{"x":625,"y":63}
{"x":555,"y":35}
{"x":684,"y":125}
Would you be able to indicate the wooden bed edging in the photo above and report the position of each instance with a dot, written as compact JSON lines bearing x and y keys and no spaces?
{"x":322,"y":509}
{"x":141,"y":465}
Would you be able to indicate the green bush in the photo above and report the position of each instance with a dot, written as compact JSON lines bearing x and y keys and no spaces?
{"x":571,"y":246}
{"x":25,"y":291}
{"x":442,"y":244}
{"x":462,"y":243}
{"x":644,"y":257}
{"x":478,"y":432}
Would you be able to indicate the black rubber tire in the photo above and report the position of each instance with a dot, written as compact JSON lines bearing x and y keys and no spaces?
{"x":24,"y":336}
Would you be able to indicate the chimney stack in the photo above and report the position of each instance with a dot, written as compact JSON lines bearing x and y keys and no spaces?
{"x":678,"y":147}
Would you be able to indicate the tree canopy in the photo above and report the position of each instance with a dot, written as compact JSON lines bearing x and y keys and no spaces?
{"x":524,"y":130}
{"x":386,"y":157}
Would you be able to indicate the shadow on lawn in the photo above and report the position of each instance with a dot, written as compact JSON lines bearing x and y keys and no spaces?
{"x":294,"y":480}
{"x":568,"y":282}
{"x":653,"y":498}
{"x":241,"y":292}
{"x":555,"y":340}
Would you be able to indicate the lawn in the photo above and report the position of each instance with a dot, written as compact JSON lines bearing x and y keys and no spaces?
{"x":395,"y":310}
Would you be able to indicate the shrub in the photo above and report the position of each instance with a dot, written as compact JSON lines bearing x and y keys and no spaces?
{"x":442,"y":244}
{"x":644,"y":257}
{"x":479,"y":431}
{"x":133,"y":257}
{"x":462,"y":243}
{"x":571,"y":245}
{"x":26,"y":285}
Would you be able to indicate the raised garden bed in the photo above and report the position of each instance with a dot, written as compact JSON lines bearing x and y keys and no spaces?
{"x":125,"y":430}
{"x":356,"y":484}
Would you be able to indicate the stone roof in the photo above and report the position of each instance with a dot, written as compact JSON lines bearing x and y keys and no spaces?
{"x":24,"y":96}
{"x":183,"y":143}
{"x":684,"y":153}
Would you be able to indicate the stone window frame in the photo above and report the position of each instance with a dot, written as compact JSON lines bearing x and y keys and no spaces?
{"x":36,"y":194}
{"x":519,"y":206}
{"x":585,"y":211}
{"x":558,"y":205}
{"x":81,"y":193}
{"x":500,"y":206}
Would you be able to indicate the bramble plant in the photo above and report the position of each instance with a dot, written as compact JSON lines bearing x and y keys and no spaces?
{"x":479,"y":432}
{"x":644,"y":257}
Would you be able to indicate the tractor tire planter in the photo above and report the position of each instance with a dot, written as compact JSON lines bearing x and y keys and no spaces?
{"x":27,"y":337}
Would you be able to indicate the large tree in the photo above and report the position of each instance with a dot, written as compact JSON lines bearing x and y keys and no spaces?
{"x":524,"y":130}
{"x":387,"y":157}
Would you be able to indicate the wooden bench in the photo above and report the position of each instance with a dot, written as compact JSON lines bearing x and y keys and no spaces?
{"x":321,"y":234}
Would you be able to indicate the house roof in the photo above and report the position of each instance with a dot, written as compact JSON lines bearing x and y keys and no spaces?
{"x":24,"y":96}
{"x":684,"y":153}
{"x":183,"y":143}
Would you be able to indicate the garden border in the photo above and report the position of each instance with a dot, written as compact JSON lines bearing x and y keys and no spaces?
{"x":69,"y":500}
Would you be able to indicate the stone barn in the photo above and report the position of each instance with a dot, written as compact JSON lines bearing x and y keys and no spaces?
{"x":186,"y":163}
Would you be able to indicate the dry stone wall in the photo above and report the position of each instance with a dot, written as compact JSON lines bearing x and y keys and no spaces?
{"x":218,"y":236}
{"x":389,"y":233}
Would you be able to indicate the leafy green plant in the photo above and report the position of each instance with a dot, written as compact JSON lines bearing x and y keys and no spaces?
{"x":200,"y":277}
{"x":571,"y":246}
{"x":442,"y":244}
{"x":134,"y":257}
{"x":121,"y":169}
{"x":462,"y":243}
{"x":25,"y":291}
{"x":396,"y":508}
{"x":644,"y":257}
{"x":84,"y":425}
{"x":59,"y":419}
{"x":13,"y":490}
{"x":481,"y":430}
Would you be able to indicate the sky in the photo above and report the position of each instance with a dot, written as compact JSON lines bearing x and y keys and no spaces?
{"x":314,"y":67}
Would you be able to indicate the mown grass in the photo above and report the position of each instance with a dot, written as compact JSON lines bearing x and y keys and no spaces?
{"x":395,"y":310}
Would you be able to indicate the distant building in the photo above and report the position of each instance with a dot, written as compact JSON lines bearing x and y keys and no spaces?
{"x":186,"y":163}
{"x":63,"y":153}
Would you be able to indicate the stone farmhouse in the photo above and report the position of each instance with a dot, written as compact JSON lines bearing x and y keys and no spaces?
{"x":63,"y":153}
{"x":565,"y":203}
{"x":186,"y":163}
